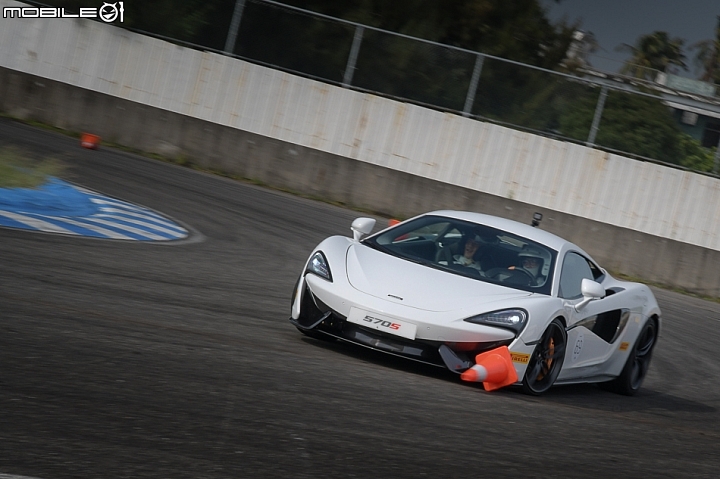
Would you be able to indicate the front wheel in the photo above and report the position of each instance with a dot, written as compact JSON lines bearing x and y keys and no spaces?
{"x":638,"y":363}
{"x":546,"y":361}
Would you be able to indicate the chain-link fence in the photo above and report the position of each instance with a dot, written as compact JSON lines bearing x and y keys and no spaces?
{"x":572,"y":107}
{"x":629,"y":117}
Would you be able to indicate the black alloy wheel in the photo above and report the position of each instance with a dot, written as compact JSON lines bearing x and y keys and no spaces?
{"x":546,"y":360}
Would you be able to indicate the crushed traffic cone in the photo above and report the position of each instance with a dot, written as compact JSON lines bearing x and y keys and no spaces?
{"x":492,"y":368}
{"x":90,"y":141}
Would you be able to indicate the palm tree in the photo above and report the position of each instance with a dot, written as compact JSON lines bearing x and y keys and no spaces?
{"x":652,"y":53}
{"x":708,"y":57}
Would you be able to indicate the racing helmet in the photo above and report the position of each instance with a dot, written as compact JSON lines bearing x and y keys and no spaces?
{"x":535,"y":267}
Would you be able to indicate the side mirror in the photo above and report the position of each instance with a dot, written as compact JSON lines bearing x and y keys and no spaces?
{"x":361,"y":227}
{"x":591,"y":290}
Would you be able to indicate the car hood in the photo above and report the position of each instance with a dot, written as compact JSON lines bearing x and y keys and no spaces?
{"x":418,"y":286}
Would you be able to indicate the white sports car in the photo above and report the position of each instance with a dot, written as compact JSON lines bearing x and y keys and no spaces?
{"x":500,"y":302}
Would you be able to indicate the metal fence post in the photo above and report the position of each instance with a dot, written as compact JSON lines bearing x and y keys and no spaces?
{"x":470,"y":97}
{"x":234,"y":27}
{"x":596,"y":120}
{"x":352,"y":59}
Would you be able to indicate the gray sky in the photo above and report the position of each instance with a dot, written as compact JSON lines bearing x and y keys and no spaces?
{"x":614,"y":22}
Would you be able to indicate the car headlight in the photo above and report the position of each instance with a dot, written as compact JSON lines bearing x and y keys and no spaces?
{"x":514,"y":319}
{"x":318,"y":265}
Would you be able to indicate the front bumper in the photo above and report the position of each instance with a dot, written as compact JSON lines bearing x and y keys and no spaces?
{"x":454,"y":348}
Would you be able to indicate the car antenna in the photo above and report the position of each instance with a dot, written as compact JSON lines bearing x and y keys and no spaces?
{"x":537,"y":218}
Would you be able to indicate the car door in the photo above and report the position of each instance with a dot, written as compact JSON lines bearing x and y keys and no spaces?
{"x":592,"y":331}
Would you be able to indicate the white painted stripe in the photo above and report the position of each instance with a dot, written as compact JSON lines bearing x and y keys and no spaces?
{"x":155,"y":218}
{"x":97,"y":229}
{"x":128,"y":208}
{"x":85,"y":190}
{"x":36,"y":223}
{"x":130,"y":229}
{"x":119,"y":204}
{"x":154,"y":226}
{"x":139,"y":212}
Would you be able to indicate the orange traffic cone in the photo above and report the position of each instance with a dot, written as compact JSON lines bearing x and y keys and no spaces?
{"x":90,"y":141}
{"x":492,"y":368}
{"x":393,"y":222}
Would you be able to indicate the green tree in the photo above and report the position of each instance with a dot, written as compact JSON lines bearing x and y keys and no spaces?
{"x":707,"y":57}
{"x":693,"y":155}
{"x":515,"y":29}
{"x":402,"y":67}
{"x":630,"y":123}
{"x":651,"y":53}
{"x":181,"y":20}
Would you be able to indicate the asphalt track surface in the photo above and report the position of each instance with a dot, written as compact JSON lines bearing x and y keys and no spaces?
{"x":176,"y":360}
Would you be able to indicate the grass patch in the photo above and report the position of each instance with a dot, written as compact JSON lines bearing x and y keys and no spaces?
{"x":18,"y":170}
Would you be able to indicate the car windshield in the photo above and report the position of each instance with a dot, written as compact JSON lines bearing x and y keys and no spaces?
{"x":473,"y":250}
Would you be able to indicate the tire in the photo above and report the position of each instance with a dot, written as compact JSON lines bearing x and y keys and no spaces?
{"x":546,"y":360}
{"x":633,"y":374}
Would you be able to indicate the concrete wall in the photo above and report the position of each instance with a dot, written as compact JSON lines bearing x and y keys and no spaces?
{"x":483,"y":157}
{"x":360,"y":184}
{"x":359,"y":149}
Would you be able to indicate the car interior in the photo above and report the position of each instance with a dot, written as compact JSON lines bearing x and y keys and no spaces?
{"x":499,"y":254}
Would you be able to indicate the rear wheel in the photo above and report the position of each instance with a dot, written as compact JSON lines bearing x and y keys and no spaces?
{"x":638,"y":363}
{"x":546,"y":361}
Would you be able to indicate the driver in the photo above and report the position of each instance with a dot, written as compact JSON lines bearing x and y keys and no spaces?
{"x":532,"y":262}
